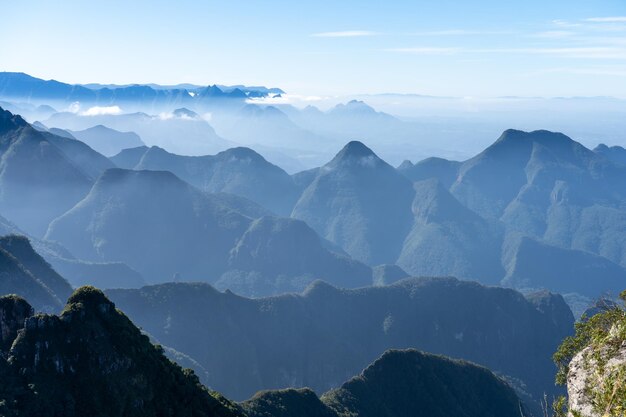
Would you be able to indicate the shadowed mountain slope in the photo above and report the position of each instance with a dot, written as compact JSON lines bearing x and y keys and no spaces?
{"x":325,"y":335}
{"x":360,"y":203}
{"x":166,"y":229}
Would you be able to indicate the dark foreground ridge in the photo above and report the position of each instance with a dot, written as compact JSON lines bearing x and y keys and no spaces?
{"x":92,"y":360}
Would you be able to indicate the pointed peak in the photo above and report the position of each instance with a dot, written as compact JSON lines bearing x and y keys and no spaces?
{"x":406,"y":164}
{"x":356,"y":148}
{"x":356,"y":153}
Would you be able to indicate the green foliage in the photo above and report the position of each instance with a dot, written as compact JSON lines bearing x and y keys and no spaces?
{"x":604,"y":334}
{"x":91,"y":360}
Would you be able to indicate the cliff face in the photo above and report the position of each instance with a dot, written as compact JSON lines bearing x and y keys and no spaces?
{"x":595,"y":385}
{"x":592,"y":364}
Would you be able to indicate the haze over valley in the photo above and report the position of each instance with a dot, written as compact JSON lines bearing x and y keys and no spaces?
{"x":403,"y":210}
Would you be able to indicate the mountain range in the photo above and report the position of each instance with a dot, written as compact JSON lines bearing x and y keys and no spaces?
{"x":278,"y":289}
{"x":325,"y":335}
{"x":167,"y":229}
{"x":20,"y":85}
{"x":528,"y":195}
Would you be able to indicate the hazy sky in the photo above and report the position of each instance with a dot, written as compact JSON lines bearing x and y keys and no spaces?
{"x":443,"y":47}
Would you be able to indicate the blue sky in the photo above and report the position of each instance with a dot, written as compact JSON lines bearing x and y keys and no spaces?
{"x":450,"y":48}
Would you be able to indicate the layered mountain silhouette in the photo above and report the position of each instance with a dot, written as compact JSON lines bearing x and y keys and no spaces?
{"x":38,"y":181}
{"x":239,"y":171}
{"x":449,"y":239}
{"x":360,"y":203}
{"x":78,"y":272}
{"x":167,"y":229}
{"x":435,"y":217}
{"x":322,"y":337}
{"x":24,"y":272}
{"x":442,"y":169}
{"x":266,"y":125}
{"x":173,"y":130}
{"x":81,"y":155}
{"x":20,"y":85}
{"x":108,"y":141}
{"x":616,"y":154}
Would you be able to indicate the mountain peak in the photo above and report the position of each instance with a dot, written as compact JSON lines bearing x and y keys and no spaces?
{"x":240,"y":153}
{"x":353,"y":106}
{"x":406,"y":164}
{"x":355,"y":150}
{"x":542,"y":136}
{"x":90,"y":299}
{"x":184,"y":112}
{"x":10,"y":121}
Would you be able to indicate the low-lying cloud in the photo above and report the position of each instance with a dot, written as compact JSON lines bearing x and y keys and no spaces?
{"x":102,"y":111}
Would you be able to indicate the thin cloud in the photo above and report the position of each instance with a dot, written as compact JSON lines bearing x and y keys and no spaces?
{"x":615,"y":72}
{"x":345,"y":34}
{"x":598,"y":52}
{"x":460,"y":32}
{"x":611,"y":19}
{"x":554,"y":34}
{"x":426,"y":50}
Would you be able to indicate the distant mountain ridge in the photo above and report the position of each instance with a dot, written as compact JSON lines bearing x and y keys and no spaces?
{"x":280,"y":341}
{"x":20,"y":85}
{"x":38,"y":180}
{"x":435,"y":217}
{"x":463,"y":216}
{"x":239,"y":171}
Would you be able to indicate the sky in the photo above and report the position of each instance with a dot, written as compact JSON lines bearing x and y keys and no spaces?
{"x":471,"y":48}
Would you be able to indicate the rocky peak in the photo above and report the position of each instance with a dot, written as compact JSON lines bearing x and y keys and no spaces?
{"x":10,"y":121}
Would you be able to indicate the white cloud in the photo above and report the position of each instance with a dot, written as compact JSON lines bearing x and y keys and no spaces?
{"x":611,"y":19}
{"x":460,"y":32}
{"x":102,"y":111}
{"x":427,"y":50}
{"x":595,"y":52}
{"x":74,"y":107}
{"x":344,"y":34}
{"x":554,"y":34}
{"x":565,"y":23}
